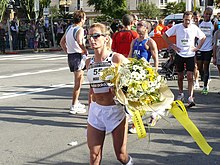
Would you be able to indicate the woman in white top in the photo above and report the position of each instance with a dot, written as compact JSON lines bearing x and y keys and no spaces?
{"x":104,"y":114}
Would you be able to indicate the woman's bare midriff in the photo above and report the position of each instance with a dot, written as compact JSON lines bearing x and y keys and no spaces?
{"x":104,"y":98}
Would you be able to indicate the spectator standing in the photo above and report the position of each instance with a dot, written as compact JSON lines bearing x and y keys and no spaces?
{"x":135,"y":21}
{"x":185,"y":40}
{"x":30,"y":34}
{"x":105,"y":116}
{"x":60,"y":31}
{"x":14,"y":33}
{"x":22,"y":35}
{"x":121,"y":40}
{"x":114,"y":25}
{"x":5,"y":26}
{"x":2,"y":38}
{"x":204,"y":54}
{"x":73,"y":44}
{"x":158,"y":29}
{"x":170,"y":24}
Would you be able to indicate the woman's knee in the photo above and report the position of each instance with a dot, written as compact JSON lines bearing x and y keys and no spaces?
{"x":95,"y":158}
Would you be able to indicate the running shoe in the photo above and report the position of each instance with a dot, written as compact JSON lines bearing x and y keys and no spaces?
{"x":80,"y":105}
{"x":154,"y":120}
{"x":191,"y":102}
{"x":205,"y":91}
{"x":180,"y":97}
{"x":76,"y":109}
{"x":196,"y":85}
{"x":132,"y":130}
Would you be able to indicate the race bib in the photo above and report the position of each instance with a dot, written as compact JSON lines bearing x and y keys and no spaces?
{"x":184,"y":42}
{"x":206,"y":30}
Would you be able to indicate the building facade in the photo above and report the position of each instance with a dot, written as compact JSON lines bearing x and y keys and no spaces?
{"x":73,"y":5}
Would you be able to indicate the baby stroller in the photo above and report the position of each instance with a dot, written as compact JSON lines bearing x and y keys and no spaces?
{"x":168,"y":67}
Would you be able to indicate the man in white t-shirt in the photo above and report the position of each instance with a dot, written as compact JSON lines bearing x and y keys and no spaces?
{"x":73,"y":44}
{"x":186,"y":33}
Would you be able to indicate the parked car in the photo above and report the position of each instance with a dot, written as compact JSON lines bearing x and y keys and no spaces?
{"x":177,"y":18}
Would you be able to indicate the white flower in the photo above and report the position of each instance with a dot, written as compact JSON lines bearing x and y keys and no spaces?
{"x":135,"y":76}
{"x":109,"y":77}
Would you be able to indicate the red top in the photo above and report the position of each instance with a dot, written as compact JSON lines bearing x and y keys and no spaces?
{"x":121,"y":41}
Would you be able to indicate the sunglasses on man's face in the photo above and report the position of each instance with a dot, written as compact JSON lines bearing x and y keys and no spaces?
{"x":95,"y":35}
{"x":140,"y":24}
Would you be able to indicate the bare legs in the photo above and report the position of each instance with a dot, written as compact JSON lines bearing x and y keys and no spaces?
{"x":95,"y":140}
{"x":78,"y":80}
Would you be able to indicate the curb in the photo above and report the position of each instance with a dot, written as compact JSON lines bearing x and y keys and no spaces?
{"x":33,"y":51}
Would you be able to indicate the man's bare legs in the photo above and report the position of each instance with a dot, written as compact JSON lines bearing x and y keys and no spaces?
{"x":78,"y":80}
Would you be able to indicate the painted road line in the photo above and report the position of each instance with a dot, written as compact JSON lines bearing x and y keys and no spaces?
{"x":33,"y":73}
{"x":37,"y":90}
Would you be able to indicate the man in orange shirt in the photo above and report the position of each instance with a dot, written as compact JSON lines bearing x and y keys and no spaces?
{"x":121,"y":40}
{"x":159,"y":28}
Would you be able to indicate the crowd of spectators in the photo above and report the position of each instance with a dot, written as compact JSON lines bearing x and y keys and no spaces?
{"x":31,"y":34}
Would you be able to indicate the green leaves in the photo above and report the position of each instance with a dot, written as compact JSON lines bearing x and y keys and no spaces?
{"x":173,"y":8}
{"x":112,"y":8}
{"x":148,"y":10}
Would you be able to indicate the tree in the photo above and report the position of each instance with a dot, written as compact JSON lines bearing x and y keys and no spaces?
{"x":148,"y":10}
{"x":173,"y":8}
{"x":27,"y":6}
{"x":112,"y":8}
{"x":3,"y":5}
{"x":217,"y":3}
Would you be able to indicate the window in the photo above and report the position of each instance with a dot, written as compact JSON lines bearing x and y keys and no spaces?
{"x":163,"y":2}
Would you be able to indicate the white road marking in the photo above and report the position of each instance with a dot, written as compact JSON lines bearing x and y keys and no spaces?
{"x":52,"y":59}
{"x":32,"y":73}
{"x":31,"y":57}
{"x":37,"y":90}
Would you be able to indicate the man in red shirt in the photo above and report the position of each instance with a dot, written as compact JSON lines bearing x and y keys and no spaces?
{"x":170,"y":24}
{"x":121,"y":40}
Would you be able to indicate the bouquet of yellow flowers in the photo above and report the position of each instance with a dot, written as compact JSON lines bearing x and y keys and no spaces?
{"x":141,"y":89}
{"x":138,"y":86}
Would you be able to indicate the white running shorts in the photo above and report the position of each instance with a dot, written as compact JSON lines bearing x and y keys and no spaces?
{"x":105,"y":118}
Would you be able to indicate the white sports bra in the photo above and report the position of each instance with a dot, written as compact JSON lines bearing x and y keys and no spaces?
{"x":93,"y":74}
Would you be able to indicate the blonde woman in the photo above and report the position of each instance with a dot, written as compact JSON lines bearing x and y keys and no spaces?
{"x":105,"y":116}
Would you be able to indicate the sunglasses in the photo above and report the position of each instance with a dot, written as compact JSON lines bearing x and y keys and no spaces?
{"x":141,"y":24}
{"x":95,"y":35}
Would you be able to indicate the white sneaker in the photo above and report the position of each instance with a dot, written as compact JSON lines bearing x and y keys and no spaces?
{"x":180,"y":97}
{"x":75,"y":109}
{"x":196,"y":85}
{"x":80,"y":105}
{"x":132,"y":130}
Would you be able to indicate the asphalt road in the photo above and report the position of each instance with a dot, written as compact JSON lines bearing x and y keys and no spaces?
{"x":35,"y":126}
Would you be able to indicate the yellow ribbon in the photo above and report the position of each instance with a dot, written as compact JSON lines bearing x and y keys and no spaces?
{"x":138,"y":123}
{"x":178,"y":110}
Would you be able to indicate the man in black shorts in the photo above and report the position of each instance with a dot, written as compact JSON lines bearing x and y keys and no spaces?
{"x":185,"y":48}
{"x":73,"y":44}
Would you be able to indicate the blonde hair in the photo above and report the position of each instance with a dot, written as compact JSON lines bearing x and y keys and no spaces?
{"x":105,"y":30}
